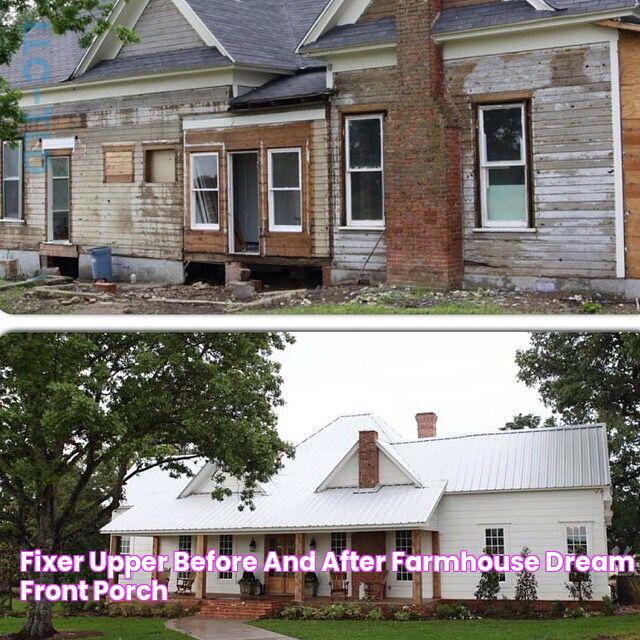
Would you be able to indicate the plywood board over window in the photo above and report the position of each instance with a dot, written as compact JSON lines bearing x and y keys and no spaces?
{"x":118,"y":164}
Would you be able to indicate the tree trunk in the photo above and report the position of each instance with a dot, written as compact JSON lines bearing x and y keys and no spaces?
{"x":39,"y":623}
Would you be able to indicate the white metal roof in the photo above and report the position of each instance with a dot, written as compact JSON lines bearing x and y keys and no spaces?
{"x":571,"y":457}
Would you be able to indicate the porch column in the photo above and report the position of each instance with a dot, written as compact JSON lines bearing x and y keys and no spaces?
{"x":299,"y":577}
{"x":435,"y":550}
{"x":155,"y":551}
{"x":201,"y":578}
{"x":114,"y":545}
{"x":416,"y":547}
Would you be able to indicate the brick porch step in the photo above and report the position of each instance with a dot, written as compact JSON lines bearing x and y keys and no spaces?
{"x":237,"y":609}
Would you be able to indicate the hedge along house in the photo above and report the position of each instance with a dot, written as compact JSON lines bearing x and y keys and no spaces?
{"x":355,"y":484}
{"x":431,"y":142}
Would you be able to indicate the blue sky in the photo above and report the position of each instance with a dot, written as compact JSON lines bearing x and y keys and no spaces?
{"x":468,"y":379}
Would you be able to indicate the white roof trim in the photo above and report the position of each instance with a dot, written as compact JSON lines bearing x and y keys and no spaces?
{"x":392,"y":455}
{"x":208,"y":470}
{"x":107,"y":45}
{"x":541,"y":5}
{"x":337,"y":12}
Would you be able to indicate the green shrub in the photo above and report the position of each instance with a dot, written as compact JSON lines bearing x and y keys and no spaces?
{"x":578,"y":612}
{"x":558,"y":608}
{"x":591,"y":308}
{"x":335,"y":611}
{"x":444,"y":611}
{"x":353,"y":611}
{"x":313,"y":613}
{"x":609,"y":607}
{"x":290,"y":613}
{"x":375,"y":614}
{"x":405,"y":614}
{"x":456,"y":611}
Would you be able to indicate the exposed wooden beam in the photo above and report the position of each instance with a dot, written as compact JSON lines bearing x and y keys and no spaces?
{"x":617,"y":24}
{"x":114,"y":547}
{"x":155,"y":551}
{"x":299,"y":577}
{"x":201,"y":577}
{"x":435,"y":550}
{"x":416,"y":547}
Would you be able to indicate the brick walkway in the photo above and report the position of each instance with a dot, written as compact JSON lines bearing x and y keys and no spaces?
{"x":207,"y":629}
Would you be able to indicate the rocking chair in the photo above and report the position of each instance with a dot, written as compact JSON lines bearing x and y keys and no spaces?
{"x":184,"y":586}
{"x":339,"y":584}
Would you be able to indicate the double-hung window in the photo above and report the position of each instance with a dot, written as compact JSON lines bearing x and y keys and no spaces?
{"x":404,"y":543}
{"x":364,"y":139}
{"x":494,"y":542}
{"x":338,"y":543}
{"x":205,"y":191}
{"x":125,"y":545}
{"x":504,"y":171}
{"x":12,"y":180}
{"x":225,"y":548}
{"x":577,"y":540}
{"x":184,"y":544}
{"x":285,"y":190}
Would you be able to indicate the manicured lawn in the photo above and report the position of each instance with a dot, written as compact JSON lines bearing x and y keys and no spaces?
{"x":110,"y":628}
{"x":620,"y":628}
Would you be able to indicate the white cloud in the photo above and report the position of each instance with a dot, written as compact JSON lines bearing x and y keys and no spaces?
{"x":468,"y":379}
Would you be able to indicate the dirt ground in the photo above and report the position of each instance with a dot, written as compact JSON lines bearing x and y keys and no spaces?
{"x":60,"y":296}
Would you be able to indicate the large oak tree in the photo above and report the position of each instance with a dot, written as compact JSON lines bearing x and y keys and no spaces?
{"x":81,"y":414}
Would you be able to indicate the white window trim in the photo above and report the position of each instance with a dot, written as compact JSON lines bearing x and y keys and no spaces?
{"x":50,"y":191}
{"x":233,"y":546}
{"x":365,"y":224}
{"x":284,"y":228}
{"x":199,"y":225}
{"x":565,"y":537}
{"x":485,"y":165}
{"x":18,"y":179}
{"x":507,"y":536}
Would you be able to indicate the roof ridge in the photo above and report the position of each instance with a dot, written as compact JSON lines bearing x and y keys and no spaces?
{"x":575,"y":427}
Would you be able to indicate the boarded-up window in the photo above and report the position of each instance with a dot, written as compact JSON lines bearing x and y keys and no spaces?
{"x":160,"y":165}
{"x":118,"y":164}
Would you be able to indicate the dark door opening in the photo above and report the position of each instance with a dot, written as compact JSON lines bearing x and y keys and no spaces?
{"x":244,"y":203}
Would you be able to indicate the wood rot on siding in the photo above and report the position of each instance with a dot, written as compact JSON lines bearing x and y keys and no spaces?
{"x":629,"y":47}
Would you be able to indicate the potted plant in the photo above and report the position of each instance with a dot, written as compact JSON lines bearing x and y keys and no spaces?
{"x":311,"y":584}
{"x":248,"y":584}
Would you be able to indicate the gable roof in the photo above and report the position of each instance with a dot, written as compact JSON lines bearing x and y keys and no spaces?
{"x":302,"y":86}
{"x":565,"y":458}
{"x":350,"y":35}
{"x":498,"y":14}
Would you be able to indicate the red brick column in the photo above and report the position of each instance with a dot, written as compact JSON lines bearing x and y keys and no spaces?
{"x":422,"y":160}
{"x":369,"y":460}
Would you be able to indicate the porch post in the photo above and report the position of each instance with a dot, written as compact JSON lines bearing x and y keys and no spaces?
{"x":299,"y":577}
{"x":201,"y":578}
{"x":114,"y":545}
{"x":155,"y":551}
{"x":435,"y":550}
{"x":416,"y":547}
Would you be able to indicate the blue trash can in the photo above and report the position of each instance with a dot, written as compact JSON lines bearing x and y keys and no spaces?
{"x":101,"y":263}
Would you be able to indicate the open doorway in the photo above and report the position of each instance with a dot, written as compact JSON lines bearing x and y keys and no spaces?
{"x":244,"y":203}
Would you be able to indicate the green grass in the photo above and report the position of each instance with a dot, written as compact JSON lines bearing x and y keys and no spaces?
{"x":353,"y":308}
{"x":110,"y":628}
{"x":9,"y":298}
{"x":621,"y":628}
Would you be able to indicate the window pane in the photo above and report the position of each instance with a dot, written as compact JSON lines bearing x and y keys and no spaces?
{"x":206,"y":207}
{"x":366,"y":196}
{"x":11,"y":205}
{"x":507,"y":195}
{"x":286,"y":170}
{"x":503,"y":131}
{"x":60,"y":167}
{"x":365,"y":143}
{"x":60,"y":195}
{"x":205,"y":172}
{"x":404,"y":542}
{"x":287,"y":208}
{"x":61,"y":225}
{"x":11,"y":161}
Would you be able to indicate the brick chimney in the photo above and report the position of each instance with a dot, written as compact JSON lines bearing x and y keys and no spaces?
{"x":422,"y":160}
{"x":369,"y":460}
{"x":427,"y":425}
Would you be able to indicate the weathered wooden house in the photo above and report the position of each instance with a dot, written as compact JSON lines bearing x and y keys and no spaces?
{"x":418,"y":142}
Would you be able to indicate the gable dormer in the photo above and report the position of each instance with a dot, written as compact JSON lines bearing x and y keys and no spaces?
{"x":369,"y":464}
{"x":205,"y":482}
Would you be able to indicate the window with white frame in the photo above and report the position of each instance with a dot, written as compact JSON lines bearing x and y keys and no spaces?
{"x":285,"y":190}
{"x":125,"y":545}
{"x":504,"y":170}
{"x":364,"y":136}
{"x":12,"y":180}
{"x":184,"y":544}
{"x":577,"y":539}
{"x":338,"y":542}
{"x":205,"y":191}
{"x":404,"y":543}
{"x":494,"y":542}
{"x":225,"y":548}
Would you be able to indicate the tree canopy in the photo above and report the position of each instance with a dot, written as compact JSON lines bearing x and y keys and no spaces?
{"x":594,"y":377}
{"x":81,"y":414}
